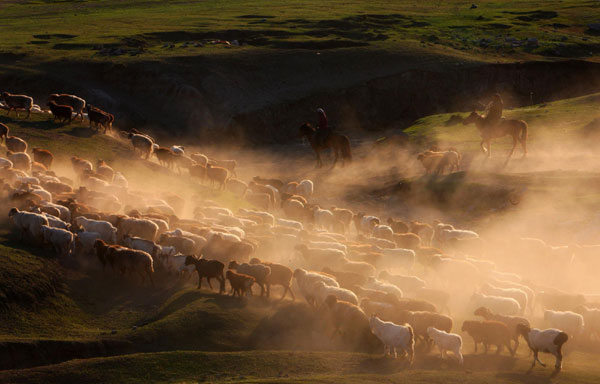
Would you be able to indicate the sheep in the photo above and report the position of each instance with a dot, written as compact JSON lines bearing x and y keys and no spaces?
{"x":61,"y":112}
{"x":43,"y":156}
{"x":224,"y":249}
{"x":397,"y":257}
{"x":315,"y":256}
{"x":80,"y":165}
{"x":346,"y":318}
{"x":182,"y":244}
{"x":514,"y":293}
{"x":404,"y":282}
{"x":260,"y":273}
{"x":208,"y":269}
{"x":305,"y":189}
{"x":438,"y":297}
{"x":570,"y":322}
{"x":101,"y":118}
{"x":55,"y":222}
{"x":217,"y":175}
{"x":227,"y":164}
{"x":489,"y":333}
{"x":430,"y":161}
{"x":365,"y":224}
{"x":547,"y":340}
{"x":499,"y":304}
{"x":510,"y":321}
{"x":359,"y":267}
{"x":510,"y":284}
{"x":280,"y":275}
{"x":61,"y":239}
{"x":323,"y":218}
{"x":20,"y":160}
{"x":241,"y":284}
{"x":421,"y":320}
{"x":146,"y":229}
{"x":407,"y":240}
{"x":129,"y":261}
{"x":183,"y":161}
{"x":274,"y":182}
{"x":235,"y":186}
{"x":398,"y":226}
{"x":446,"y":342}
{"x":394,"y":336}
{"x":104,"y":228}
{"x":120,"y":180}
{"x":289,"y":223}
{"x":591,"y":318}
{"x":347,"y":279}
{"x":84,"y":242}
{"x":259,"y":200}
{"x":446,"y":234}
{"x":178,"y":150}
{"x":294,"y":209}
{"x":328,"y":245}
{"x":176,"y":263}
{"x":16,"y":144}
{"x":342,"y":215}
{"x":5,"y":163}
{"x":76,"y":103}
{"x":141,"y":244}
{"x":306,"y":281}
{"x":373,"y":283}
{"x":28,"y":222}
{"x":322,"y":291}
{"x":383,"y":232}
{"x":141,"y":143}
{"x":199,"y":159}
{"x":16,"y":102}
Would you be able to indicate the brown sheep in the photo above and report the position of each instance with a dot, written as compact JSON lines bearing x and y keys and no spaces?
{"x":262,"y":201}
{"x":510,"y":321}
{"x":290,"y":196}
{"x":61,"y":112}
{"x":343,"y":215}
{"x":208,"y":269}
{"x":80,"y":165}
{"x":198,"y":171}
{"x":217,"y":175}
{"x":181,"y":244}
{"x":15,"y":144}
{"x":99,"y":118}
{"x":165,"y":156}
{"x":430,"y":161}
{"x":102,"y":250}
{"x":280,"y":275}
{"x":43,"y":156}
{"x":398,"y":226}
{"x":16,"y":102}
{"x":239,"y":282}
{"x":225,"y":250}
{"x":129,"y":261}
{"x":3,"y":132}
{"x":407,"y":240}
{"x":259,"y":188}
{"x":489,"y":333}
{"x":347,"y":318}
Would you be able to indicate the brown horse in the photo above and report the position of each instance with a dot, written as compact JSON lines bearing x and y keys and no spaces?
{"x":339,"y":144}
{"x":515,"y":128}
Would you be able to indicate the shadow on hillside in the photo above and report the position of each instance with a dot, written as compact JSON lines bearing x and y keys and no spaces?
{"x":83,"y":132}
{"x":45,"y":125}
{"x":523,"y":377}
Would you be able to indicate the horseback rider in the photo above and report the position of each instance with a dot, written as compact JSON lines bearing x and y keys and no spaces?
{"x":322,"y":127}
{"x":494,"y":111}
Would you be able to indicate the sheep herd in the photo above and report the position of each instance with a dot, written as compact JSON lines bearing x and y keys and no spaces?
{"x":398,"y":279}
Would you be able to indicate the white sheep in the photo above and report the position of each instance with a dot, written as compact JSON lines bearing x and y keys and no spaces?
{"x":178,"y":150}
{"x":265,"y":216}
{"x":28,"y":222}
{"x":141,"y":143}
{"x":176,"y":264}
{"x":5,"y":163}
{"x":61,"y":239}
{"x":373,"y":283}
{"x":506,"y":276}
{"x":20,"y":160}
{"x":104,"y":228}
{"x":65,"y":213}
{"x":84,"y":242}
{"x":398,"y":257}
{"x":547,"y":340}
{"x":394,"y":336}
{"x":289,"y":223}
{"x":358,"y":267}
{"x":141,"y":244}
{"x":570,"y":322}
{"x":144,"y":228}
{"x":328,"y":245}
{"x":305,"y":189}
{"x":498,"y":304}
{"x":446,"y":342}
{"x":514,"y":293}
{"x":120,"y":180}
{"x":55,"y":222}
{"x":307,"y":280}
{"x":323,"y":218}
{"x":406,"y":283}
{"x":323,"y":290}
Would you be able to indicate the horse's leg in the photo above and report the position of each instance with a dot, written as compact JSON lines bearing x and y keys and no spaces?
{"x":515,"y":141}
{"x":482,"y":146}
{"x":319,"y":162}
{"x":489,"y":149}
{"x":336,"y":154}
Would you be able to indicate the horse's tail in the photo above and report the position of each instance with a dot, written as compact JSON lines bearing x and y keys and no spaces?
{"x":345,"y":147}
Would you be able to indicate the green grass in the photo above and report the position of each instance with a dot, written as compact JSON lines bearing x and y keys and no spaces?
{"x":301,"y":367}
{"x":69,"y":30}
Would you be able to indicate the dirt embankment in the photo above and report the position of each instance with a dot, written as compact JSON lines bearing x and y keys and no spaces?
{"x":263,"y":97}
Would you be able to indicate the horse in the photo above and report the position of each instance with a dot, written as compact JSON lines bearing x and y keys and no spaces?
{"x":515,"y":128}
{"x":338,"y":143}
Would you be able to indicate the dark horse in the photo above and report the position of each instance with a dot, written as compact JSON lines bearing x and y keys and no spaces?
{"x":517,"y":129}
{"x":339,"y":144}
